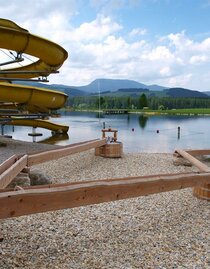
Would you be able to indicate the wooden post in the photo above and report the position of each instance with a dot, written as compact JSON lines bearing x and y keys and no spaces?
{"x":202,"y":192}
{"x":109,"y":130}
{"x":115,"y":135}
{"x":103,"y":134}
{"x":113,"y":148}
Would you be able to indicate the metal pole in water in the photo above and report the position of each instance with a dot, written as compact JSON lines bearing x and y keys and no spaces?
{"x":33,"y":134}
{"x":99,"y":100}
{"x":2,"y":129}
{"x":178,"y":132}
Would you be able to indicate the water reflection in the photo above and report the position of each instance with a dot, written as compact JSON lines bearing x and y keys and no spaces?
{"x":128,"y":118}
{"x":55,"y":138}
{"x":99,"y":115}
{"x":143,"y":121}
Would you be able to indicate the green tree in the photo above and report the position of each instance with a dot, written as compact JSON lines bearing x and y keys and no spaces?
{"x":129,"y":102}
{"x":143,"y":101}
{"x":100,"y":102}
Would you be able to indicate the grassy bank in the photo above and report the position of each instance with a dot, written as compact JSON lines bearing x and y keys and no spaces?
{"x":191,"y":111}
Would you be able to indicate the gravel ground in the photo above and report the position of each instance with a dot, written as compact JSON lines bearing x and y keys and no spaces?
{"x":167,"y":230}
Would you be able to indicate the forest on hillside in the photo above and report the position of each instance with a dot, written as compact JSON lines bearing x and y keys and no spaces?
{"x":154,"y":103}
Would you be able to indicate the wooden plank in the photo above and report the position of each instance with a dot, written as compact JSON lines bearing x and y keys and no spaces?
{"x":62,"y":147}
{"x":6,"y":164}
{"x":201,"y":166}
{"x":7,"y":176}
{"x":24,"y":202}
{"x":196,"y":152}
{"x":67,"y":184}
{"x":59,"y":153}
{"x":80,"y":143}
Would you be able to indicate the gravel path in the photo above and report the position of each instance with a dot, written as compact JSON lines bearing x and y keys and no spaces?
{"x":167,"y":230}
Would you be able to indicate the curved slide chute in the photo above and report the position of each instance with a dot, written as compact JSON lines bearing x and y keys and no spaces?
{"x":56,"y":128}
{"x":32,"y":99}
{"x":49,"y":58}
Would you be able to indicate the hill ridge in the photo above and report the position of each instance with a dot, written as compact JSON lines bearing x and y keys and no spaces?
{"x":114,"y":87}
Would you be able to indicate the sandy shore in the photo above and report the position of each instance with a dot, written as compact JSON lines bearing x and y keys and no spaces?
{"x":167,"y":230}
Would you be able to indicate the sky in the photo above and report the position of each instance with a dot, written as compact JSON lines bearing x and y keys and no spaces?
{"x":164,"y":42}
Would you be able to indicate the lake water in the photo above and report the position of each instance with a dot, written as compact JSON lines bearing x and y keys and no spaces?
{"x":137,"y":132}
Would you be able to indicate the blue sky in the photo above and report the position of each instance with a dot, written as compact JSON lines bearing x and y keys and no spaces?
{"x":165,"y":42}
{"x":159,"y":17}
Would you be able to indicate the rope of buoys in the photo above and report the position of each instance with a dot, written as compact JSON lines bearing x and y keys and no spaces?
{"x":162,"y":130}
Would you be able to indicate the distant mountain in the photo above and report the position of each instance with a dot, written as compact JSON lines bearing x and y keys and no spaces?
{"x":104,"y":85}
{"x":118,"y":87}
{"x":208,"y":93}
{"x":133,"y":90}
{"x":155,"y":87}
{"x":171,"y":92}
{"x":71,"y":91}
{"x":181,"y":92}
{"x":115,"y":84}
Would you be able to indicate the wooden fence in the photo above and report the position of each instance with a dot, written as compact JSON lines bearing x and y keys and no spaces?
{"x":30,"y":200}
{"x":15,"y":164}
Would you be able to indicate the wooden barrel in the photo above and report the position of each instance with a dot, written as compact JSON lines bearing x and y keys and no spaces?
{"x":110,"y":150}
{"x":202,"y":192}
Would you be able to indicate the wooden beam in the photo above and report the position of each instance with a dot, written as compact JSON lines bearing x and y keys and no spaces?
{"x":24,"y":202}
{"x":6,"y":164}
{"x":67,"y":184}
{"x":63,"y":147}
{"x":201,"y":166}
{"x":196,"y":152}
{"x":7,"y":176}
{"x":80,"y":143}
{"x":59,"y":153}
{"x":14,"y":165}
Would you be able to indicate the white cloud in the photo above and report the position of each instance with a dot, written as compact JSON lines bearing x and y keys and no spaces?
{"x":198,"y":59}
{"x":180,"y":81}
{"x":96,"y":30}
{"x":137,"y":32}
{"x":179,"y":41}
{"x":203,"y":46}
{"x":160,"y":53}
{"x":165,"y":71}
{"x":98,"y":48}
{"x":32,"y":10}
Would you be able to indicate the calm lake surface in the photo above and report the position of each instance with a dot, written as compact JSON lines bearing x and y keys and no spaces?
{"x":137,"y":132}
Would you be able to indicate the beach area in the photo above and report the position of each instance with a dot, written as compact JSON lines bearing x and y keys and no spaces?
{"x":166,"y":230}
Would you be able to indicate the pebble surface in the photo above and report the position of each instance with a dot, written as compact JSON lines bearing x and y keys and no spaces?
{"x":161,"y":231}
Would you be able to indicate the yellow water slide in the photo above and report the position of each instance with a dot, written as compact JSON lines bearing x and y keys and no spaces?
{"x":32,"y":99}
{"x":49,"y":57}
{"x":56,"y":128}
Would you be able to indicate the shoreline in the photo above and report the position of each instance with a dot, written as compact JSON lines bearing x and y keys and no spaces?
{"x":171,"y":112}
{"x":166,"y":230}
